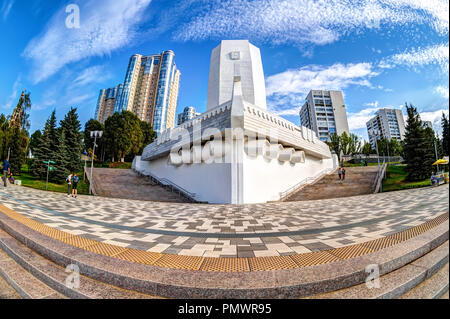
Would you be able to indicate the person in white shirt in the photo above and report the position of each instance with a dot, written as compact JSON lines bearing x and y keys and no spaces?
{"x":69,"y":183}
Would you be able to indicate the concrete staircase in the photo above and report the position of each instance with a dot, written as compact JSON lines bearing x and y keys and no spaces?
{"x":358,"y":181}
{"x":127,"y":184}
{"x":35,"y":277}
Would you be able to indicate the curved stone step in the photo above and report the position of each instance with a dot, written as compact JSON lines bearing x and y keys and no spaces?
{"x":35,"y":277}
{"x":401,"y":281}
{"x":24,"y":284}
{"x":6,"y":291}
{"x":432,"y":288}
{"x":347,"y":271}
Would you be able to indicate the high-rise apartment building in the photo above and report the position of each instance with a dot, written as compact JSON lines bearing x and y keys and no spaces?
{"x":106,"y":103}
{"x":150,"y":90}
{"x":324,"y":112}
{"x":387,"y":123}
{"x":188,"y":114}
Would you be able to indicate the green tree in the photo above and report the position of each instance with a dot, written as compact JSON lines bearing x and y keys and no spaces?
{"x":335,"y":145}
{"x":17,"y":146}
{"x":367,"y":149}
{"x":47,"y":147}
{"x":415,"y":147}
{"x":429,"y":151}
{"x":445,"y":135}
{"x":35,"y":139}
{"x":148,"y":135}
{"x":94,"y":125}
{"x":73,"y":138}
{"x":61,"y":160}
{"x":123,"y":135}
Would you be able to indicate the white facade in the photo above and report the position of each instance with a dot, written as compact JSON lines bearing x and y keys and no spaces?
{"x":241,"y":58}
{"x":236,"y":153}
{"x":325,"y":113}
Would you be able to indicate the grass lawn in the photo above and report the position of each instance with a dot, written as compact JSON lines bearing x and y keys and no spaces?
{"x":29,"y":180}
{"x":396,"y":180}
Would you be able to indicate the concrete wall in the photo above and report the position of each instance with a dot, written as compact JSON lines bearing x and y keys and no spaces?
{"x":210,"y":182}
{"x":264,"y":180}
{"x":258,"y":181}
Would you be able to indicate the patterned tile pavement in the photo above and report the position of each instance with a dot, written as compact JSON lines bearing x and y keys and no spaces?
{"x":260,"y":230}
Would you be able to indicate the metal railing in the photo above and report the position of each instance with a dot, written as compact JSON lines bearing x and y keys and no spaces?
{"x":377,"y":184}
{"x":164,"y":182}
{"x":305,"y":181}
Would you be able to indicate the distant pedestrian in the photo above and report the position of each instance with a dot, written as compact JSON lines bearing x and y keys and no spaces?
{"x":340,"y":173}
{"x":343,"y":174}
{"x":69,"y":184}
{"x":6,"y":172}
{"x":75,"y":180}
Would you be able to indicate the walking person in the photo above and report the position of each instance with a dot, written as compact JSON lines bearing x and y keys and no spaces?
{"x":69,"y":184}
{"x":75,"y":180}
{"x":6,"y":172}
{"x":343,"y":174}
{"x":340,"y":173}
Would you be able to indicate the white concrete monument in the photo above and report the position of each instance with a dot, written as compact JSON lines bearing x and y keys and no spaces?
{"x":237,"y":152}
{"x":236,"y":57}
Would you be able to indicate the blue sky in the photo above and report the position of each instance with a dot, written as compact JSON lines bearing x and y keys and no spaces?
{"x":381,"y":53}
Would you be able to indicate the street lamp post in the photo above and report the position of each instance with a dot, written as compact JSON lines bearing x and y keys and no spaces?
{"x":375,"y":133}
{"x":94,"y":134}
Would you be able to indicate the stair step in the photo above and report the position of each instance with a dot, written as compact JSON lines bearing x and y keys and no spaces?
{"x":432,"y":288}
{"x":38,"y":277}
{"x":400,"y":281}
{"x":6,"y":291}
{"x":27,"y":286}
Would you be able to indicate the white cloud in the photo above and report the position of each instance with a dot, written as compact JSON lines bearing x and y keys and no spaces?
{"x":106,"y":26}
{"x":97,"y":73}
{"x":305,"y":21}
{"x":286,"y":91}
{"x":442,"y":90}
{"x":6,"y":8}
{"x":14,"y":94}
{"x":434,"y":117}
{"x":436,"y":54}
{"x":358,"y":120}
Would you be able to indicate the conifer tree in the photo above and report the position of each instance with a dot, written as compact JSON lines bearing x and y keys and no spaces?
{"x":445,"y":135}
{"x":415,"y":147}
{"x":61,"y":160}
{"x":71,"y":127}
{"x":47,"y":147}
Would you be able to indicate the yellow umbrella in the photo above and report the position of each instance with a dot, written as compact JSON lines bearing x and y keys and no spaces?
{"x":440,"y":162}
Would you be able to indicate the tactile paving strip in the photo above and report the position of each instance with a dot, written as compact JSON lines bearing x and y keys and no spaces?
{"x":225,"y":264}
{"x":79,"y":242}
{"x":380,"y":243}
{"x":314,"y":259}
{"x":139,"y":256}
{"x":272,"y":263}
{"x":352,"y":251}
{"x":180,"y":262}
{"x":105,"y":249}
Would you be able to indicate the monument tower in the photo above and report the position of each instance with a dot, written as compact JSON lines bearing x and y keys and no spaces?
{"x":236,"y":152}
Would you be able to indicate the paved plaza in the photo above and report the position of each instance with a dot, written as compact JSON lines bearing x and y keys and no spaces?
{"x":273,"y":229}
